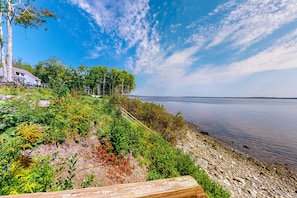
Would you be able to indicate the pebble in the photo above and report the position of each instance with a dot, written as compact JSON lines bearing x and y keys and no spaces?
{"x":252,"y":193}
{"x":239,"y":180}
{"x":242,"y":176}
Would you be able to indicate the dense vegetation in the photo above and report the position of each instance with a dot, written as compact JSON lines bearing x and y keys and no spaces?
{"x":155,"y":117}
{"x":97,"y":80}
{"x":25,"y":125}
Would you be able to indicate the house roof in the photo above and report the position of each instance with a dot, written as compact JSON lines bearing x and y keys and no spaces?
{"x":14,"y":70}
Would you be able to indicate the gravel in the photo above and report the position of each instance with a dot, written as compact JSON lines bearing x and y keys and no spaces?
{"x":241,"y":175}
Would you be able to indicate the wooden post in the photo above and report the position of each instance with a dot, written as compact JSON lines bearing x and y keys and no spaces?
{"x":177,"y":187}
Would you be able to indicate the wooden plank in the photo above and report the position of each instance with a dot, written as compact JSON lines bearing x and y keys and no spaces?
{"x":177,"y":187}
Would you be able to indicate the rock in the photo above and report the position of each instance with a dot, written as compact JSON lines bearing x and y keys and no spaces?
{"x":204,"y":132}
{"x":241,"y":175}
{"x":238,"y":179}
{"x":252,"y":193}
{"x":4,"y":97}
{"x":84,"y":145}
{"x":76,"y":140}
{"x":44,"y":103}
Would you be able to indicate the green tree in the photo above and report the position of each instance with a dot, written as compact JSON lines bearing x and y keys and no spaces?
{"x":20,"y":64}
{"x":129,"y":83}
{"x":112,"y":79}
{"x":126,"y":81}
{"x":104,"y":73}
{"x":51,"y":70}
{"x":99,"y":78}
{"x":96,"y":77}
{"x":22,"y":13}
{"x":83,"y":73}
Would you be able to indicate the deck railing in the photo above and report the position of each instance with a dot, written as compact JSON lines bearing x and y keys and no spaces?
{"x":177,"y":187}
{"x":129,"y":116}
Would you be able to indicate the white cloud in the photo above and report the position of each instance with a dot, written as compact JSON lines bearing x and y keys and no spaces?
{"x":149,"y":55}
{"x":241,"y":24}
{"x":121,"y":20}
{"x":171,"y":78}
{"x":251,"y":21}
{"x":244,"y":24}
{"x":281,"y":56}
{"x":151,"y":58}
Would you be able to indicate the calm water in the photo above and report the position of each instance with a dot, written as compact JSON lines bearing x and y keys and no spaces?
{"x":268,"y":127}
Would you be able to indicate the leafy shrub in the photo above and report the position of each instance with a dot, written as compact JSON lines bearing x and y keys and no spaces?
{"x":154,"y":116}
{"x":55,"y":136}
{"x":7,"y":117}
{"x":167,"y":162}
{"x":81,"y":118}
{"x":123,"y":136}
{"x":44,"y":174}
{"x":20,"y":173}
{"x":32,"y":133}
{"x":162,"y":161}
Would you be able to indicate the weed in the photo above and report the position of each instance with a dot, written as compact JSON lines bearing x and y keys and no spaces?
{"x":88,"y":181}
{"x":66,"y":182}
{"x":32,"y":133}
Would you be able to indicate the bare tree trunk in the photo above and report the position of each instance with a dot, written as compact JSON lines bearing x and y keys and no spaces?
{"x":10,"y":14}
{"x":98,"y":89}
{"x":109,"y":89}
{"x":122,"y":87}
{"x":104,"y":81}
{"x":3,"y":61}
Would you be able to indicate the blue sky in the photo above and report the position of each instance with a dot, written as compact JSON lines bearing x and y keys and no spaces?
{"x":175,"y":47}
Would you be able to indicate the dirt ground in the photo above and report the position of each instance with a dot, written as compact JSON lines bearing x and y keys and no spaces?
{"x":89,"y":162}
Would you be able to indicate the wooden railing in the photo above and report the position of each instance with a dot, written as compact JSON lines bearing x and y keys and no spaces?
{"x":129,"y":116}
{"x":184,"y":186}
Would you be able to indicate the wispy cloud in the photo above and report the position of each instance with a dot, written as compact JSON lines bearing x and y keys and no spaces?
{"x":234,"y":25}
{"x":281,"y":56}
{"x":242,"y":24}
{"x":123,"y":20}
{"x":248,"y":22}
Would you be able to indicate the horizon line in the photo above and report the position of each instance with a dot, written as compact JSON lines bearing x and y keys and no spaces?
{"x":238,"y":97}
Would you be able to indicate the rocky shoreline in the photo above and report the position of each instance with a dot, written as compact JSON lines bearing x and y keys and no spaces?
{"x":241,"y":175}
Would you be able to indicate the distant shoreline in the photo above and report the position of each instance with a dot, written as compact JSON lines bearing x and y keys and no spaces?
{"x":224,"y":97}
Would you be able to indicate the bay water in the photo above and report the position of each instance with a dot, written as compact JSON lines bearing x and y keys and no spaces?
{"x":262,"y":128}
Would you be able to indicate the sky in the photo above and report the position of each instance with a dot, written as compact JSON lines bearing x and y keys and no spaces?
{"x":223,"y":48}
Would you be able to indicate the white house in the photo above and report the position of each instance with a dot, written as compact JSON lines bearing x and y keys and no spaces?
{"x":22,"y":76}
